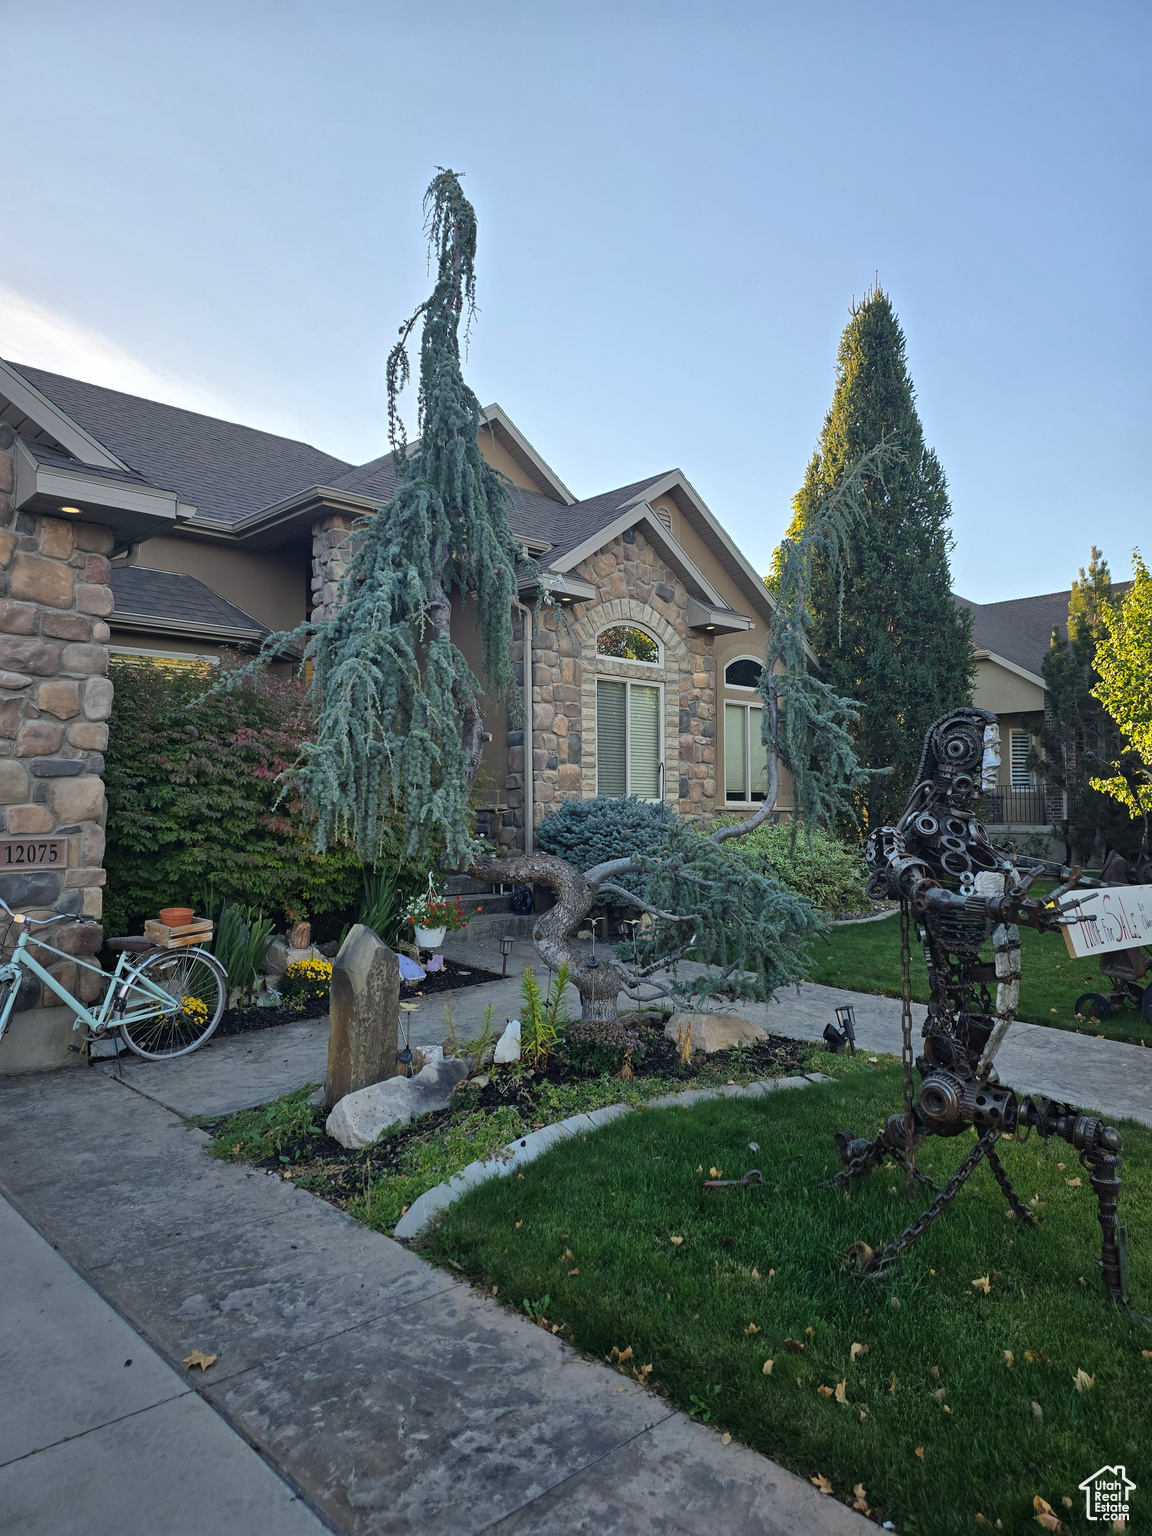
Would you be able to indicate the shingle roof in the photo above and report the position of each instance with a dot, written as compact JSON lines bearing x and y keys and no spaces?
{"x":226,"y":470}
{"x":229,"y":472}
{"x":142,"y":593}
{"x":1020,"y":630}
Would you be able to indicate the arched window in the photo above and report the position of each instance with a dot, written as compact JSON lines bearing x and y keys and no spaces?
{"x":628,"y":643}
{"x":744,"y":672}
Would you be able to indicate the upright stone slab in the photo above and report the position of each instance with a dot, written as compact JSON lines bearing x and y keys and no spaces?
{"x":363,"y":1015}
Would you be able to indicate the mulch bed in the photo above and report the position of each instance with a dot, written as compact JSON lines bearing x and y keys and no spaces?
{"x":336,"y":1173}
{"x":239,"y":1021}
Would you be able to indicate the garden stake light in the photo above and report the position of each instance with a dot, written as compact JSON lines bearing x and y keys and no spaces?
{"x":505,"y":951}
{"x":959,"y":892}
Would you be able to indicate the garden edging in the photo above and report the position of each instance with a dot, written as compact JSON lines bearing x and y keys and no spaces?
{"x":529,"y":1147}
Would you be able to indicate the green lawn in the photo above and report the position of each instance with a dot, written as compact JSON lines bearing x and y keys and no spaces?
{"x":865,"y":957}
{"x":584,"y":1238}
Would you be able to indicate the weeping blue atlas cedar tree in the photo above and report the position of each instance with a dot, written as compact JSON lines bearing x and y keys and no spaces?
{"x":399,"y":713}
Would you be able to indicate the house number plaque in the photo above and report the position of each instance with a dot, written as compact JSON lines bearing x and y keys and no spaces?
{"x":33,"y":852}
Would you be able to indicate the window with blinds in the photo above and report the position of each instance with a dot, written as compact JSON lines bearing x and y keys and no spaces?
{"x":745,"y":755}
{"x":1019,"y":746}
{"x":628,"y":747}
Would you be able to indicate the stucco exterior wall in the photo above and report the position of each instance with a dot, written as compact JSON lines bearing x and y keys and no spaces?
{"x":270,"y":585}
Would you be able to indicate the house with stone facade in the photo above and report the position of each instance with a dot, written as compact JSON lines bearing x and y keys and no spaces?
{"x":133,"y":530}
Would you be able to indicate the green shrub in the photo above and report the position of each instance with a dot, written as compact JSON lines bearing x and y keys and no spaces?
{"x":241,"y":943}
{"x":831,"y":874}
{"x":192,"y":798}
{"x":587,"y":832}
{"x":306,"y":982}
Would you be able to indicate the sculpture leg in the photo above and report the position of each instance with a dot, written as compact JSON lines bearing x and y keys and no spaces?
{"x":1104,"y":1164}
{"x":1010,"y":1194}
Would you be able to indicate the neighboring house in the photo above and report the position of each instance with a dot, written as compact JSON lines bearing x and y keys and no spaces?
{"x":136,"y":528}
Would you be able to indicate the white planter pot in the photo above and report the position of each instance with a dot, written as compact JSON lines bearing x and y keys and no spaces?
{"x":429,"y":938}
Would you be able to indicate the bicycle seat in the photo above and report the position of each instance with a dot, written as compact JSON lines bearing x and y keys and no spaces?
{"x":134,"y":944}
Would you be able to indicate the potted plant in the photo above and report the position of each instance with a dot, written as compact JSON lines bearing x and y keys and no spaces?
{"x":432,"y":916}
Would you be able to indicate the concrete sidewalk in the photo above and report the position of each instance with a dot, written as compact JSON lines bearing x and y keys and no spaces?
{"x":396,"y":1399}
{"x":98,"y":1436}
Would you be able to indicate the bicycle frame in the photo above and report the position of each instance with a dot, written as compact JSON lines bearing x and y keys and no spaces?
{"x":125,"y":975}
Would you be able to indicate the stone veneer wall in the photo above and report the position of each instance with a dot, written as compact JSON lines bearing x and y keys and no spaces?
{"x":55,"y":699}
{"x":331,"y":556}
{"x":636,"y":587}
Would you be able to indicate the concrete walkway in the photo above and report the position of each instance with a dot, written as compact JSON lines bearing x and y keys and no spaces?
{"x":394,"y":1398}
{"x":98,"y":1436}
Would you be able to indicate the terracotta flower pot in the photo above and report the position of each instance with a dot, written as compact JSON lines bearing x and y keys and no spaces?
{"x":176,"y":917}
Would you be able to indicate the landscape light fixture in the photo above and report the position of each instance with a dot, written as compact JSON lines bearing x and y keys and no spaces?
{"x":505,"y":950}
{"x":846,"y":1018}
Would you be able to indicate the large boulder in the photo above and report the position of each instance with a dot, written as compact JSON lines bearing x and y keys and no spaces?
{"x":360,"y":1117}
{"x":280,"y":957}
{"x":363,"y":1015}
{"x":715,"y":1031}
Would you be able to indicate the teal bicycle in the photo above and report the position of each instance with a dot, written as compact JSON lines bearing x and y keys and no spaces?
{"x":162,"y":1002}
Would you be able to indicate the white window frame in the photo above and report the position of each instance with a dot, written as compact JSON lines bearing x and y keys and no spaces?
{"x":629,"y":684}
{"x":630,"y":661}
{"x":1013,"y":733}
{"x":742,"y":688}
{"x":747,"y":707}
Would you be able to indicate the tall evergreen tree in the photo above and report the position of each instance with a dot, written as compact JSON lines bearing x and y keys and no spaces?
{"x":1080,"y":740}
{"x":885,"y":626}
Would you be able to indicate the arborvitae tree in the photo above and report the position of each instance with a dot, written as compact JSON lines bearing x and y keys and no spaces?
{"x":401,"y":727}
{"x":1079,"y":739}
{"x":885,"y":627}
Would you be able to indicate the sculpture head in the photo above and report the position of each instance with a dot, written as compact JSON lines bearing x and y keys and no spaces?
{"x":961,"y":755}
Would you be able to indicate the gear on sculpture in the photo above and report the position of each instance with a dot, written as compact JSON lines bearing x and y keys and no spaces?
{"x":959,"y":893}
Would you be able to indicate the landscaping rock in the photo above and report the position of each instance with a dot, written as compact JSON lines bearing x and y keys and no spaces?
{"x":508,"y":1045}
{"x":715,"y":1031}
{"x":359,"y":1118}
{"x":280,"y":957}
{"x":363,"y":1014}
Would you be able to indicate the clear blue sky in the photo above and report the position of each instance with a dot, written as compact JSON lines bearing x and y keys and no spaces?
{"x":219,"y":204}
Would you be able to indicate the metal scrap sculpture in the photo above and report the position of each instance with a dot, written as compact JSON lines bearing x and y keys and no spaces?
{"x":959,"y":892}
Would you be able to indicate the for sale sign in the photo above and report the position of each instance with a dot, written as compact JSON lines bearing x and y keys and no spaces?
{"x":1116,"y":917}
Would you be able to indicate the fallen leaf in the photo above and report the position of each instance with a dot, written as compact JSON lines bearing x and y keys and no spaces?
{"x":821,"y":1482}
{"x":811,"y":1332}
{"x":767,"y":1367}
{"x":935,"y":1369}
{"x":892,"y":1388}
{"x":794,"y":1346}
{"x":824,"y":1391}
{"x":841,"y":1392}
{"x":857,"y":1350}
{"x":1074,"y":1183}
{"x":751,"y":1328}
{"x":677,"y":1241}
{"x":947,"y":1409}
{"x":920,"y":1452}
{"x":519,"y":1224}
{"x":725,"y":1439}
{"x":1036,"y":1357}
{"x":237,"y":1149}
{"x":1083,"y":1381}
{"x":569,"y":1255}
{"x":1061,"y":1165}
{"x":895,"y":1303}
{"x":1037,"y":1411}
{"x":755,"y":1274}
{"x":983,"y":1284}
{"x":940,"y":1393}
{"x":621,"y":1354}
{"x":495,"y":1290}
{"x":715,"y":1173}
{"x":643,"y":1373}
{"x":1041,"y":1506}
{"x":197,"y":1357}
{"x":861,"y":1498}
{"x":699,"y":1167}
{"x":863,"y":1411}
{"x":1066,"y":1501}
{"x":1009,"y":1357}
{"x":771,"y":1272}
{"x":984,"y":1520}
{"x":572,"y":1272}
{"x":1147,"y":1353}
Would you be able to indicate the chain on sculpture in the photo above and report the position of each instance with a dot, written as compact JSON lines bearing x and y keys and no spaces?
{"x":958,"y":892}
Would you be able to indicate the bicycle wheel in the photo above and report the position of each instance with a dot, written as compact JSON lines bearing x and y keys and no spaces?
{"x":199,"y":981}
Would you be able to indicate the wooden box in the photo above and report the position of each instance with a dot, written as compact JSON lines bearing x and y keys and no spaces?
{"x":189,"y":934}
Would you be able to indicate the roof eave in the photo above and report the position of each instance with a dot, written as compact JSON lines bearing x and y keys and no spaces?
{"x":133,"y":511}
{"x":31,"y":405}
